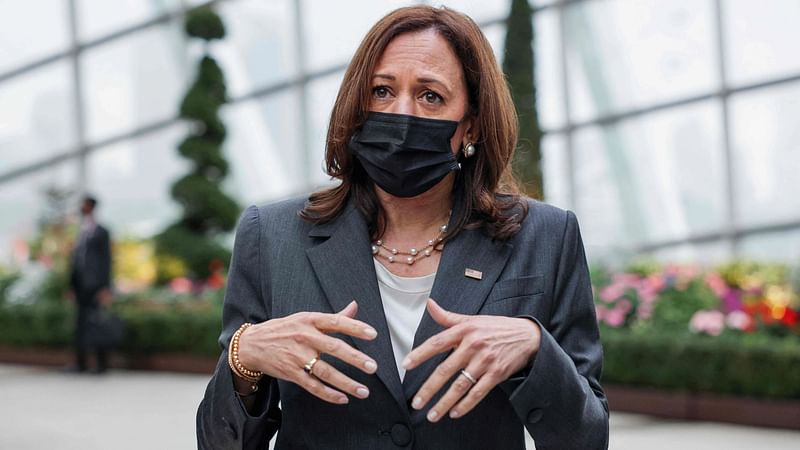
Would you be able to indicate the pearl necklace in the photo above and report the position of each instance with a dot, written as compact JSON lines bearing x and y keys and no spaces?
{"x":379,"y":248}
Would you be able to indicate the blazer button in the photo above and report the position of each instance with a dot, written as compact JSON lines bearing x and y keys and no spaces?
{"x":535,"y":415}
{"x":401,"y":434}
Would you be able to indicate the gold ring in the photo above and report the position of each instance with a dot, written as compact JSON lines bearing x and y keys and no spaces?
{"x":309,"y":367}
{"x":469,"y":377}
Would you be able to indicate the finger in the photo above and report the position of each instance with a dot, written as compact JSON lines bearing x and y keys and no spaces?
{"x":434,"y":345}
{"x":341,"y":350}
{"x":444,"y":317}
{"x":458,"y":389}
{"x":330,"y":375}
{"x":318,"y":388}
{"x":338,"y":323}
{"x":350,"y":310}
{"x":485,"y":384}
{"x":441,"y":375}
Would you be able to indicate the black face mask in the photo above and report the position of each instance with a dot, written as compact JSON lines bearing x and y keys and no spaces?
{"x":405,"y":155}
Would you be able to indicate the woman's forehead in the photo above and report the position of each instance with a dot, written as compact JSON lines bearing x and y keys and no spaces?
{"x":419,"y":53}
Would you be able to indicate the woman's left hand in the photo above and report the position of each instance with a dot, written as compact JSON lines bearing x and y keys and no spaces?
{"x":489,"y":348}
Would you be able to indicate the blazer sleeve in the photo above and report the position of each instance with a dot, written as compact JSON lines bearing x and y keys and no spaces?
{"x":222,"y":420}
{"x":559,"y":398}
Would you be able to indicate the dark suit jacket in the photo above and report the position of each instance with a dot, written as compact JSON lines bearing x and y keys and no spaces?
{"x":282,"y":265}
{"x":91,"y":263}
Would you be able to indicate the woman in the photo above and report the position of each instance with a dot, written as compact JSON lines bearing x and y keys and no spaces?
{"x":328,"y":296}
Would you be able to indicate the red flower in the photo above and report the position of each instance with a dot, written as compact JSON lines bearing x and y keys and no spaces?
{"x":789,"y":317}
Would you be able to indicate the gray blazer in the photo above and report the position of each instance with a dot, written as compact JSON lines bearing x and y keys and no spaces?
{"x":282,"y":265}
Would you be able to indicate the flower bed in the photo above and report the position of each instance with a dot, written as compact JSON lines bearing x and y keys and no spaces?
{"x":729,"y":331}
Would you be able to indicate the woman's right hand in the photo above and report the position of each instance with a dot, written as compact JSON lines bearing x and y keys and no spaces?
{"x":280,"y":348}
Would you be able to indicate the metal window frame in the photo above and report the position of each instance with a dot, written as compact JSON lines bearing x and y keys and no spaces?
{"x":731,"y":234}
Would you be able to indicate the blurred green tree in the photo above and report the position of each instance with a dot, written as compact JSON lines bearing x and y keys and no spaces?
{"x":207,"y":210}
{"x":518,"y":65}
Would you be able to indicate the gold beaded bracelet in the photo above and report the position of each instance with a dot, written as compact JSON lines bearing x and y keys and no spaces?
{"x":238,"y":369}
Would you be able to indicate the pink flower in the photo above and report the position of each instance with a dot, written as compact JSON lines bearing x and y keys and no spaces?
{"x":709,"y":322}
{"x":611,"y":292}
{"x":599,"y":311}
{"x":625,"y":305}
{"x":739,"y":320}
{"x":615,"y":317}
{"x":181,"y":285}
{"x":717,"y":284}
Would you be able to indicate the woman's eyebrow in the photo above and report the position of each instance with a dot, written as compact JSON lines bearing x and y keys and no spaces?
{"x":427,"y":80}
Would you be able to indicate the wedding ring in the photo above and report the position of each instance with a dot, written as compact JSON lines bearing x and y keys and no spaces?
{"x":468,"y":376}
{"x":309,"y":367}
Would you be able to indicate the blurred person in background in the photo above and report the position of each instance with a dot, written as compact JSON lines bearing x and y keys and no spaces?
{"x":421,"y":302}
{"x":90,"y":282}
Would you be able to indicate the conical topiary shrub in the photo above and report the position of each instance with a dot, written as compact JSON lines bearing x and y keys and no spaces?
{"x":207,"y":210}
{"x":518,"y":67}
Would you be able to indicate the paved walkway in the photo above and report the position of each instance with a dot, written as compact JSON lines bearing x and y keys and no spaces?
{"x":45,"y":409}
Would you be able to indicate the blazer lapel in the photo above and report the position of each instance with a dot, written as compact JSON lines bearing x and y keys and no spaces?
{"x":457,"y":292}
{"x":343,"y":265}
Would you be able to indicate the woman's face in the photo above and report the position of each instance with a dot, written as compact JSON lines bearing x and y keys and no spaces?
{"x":420,"y":75}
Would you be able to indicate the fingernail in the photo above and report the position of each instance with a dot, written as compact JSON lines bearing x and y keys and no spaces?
{"x":370,"y":366}
{"x":417,"y":403}
{"x":370,"y":332}
{"x":343,"y":400}
{"x":406,"y":363}
{"x":454,"y":414}
{"x":433,"y":415}
{"x":362,"y":392}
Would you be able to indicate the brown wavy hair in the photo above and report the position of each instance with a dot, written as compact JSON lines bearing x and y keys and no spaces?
{"x":485,"y":189}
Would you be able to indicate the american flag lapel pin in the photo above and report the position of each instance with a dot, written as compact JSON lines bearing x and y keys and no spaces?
{"x":472,"y":273}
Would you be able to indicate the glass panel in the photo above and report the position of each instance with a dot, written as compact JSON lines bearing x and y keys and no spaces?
{"x":555,"y":165}
{"x":706,"y":254}
{"x":100,"y":17}
{"x":761,"y":39}
{"x":496,"y":35}
{"x":24,"y":206}
{"x":132,"y":180}
{"x":37,"y":113}
{"x":766,"y":147}
{"x":625,"y":54}
{"x":652,"y":178}
{"x":480,"y":11}
{"x":134,"y":81}
{"x":321,"y":95}
{"x":260,"y":47}
{"x":547,"y":65}
{"x":264,"y":150}
{"x":781,"y":246}
{"x":333,"y":42}
{"x":33,"y":29}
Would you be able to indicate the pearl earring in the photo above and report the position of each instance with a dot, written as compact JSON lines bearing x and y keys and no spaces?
{"x":469,"y":150}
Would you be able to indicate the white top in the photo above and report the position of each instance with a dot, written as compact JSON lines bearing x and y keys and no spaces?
{"x":404,"y":301}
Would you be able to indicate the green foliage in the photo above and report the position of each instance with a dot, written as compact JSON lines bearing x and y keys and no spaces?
{"x":7,"y":278}
{"x":207,"y":210}
{"x":204,"y":23}
{"x":45,"y":324}
{"x":677,"y":304}
{"x":518,"y":66}
{"x":197,"y":252}
{"x":734,"y":363}
{"x":169,"y":328}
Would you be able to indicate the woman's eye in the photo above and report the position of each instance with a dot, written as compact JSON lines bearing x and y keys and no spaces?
{"x":432,"y":97}
{"x":380,"y":91}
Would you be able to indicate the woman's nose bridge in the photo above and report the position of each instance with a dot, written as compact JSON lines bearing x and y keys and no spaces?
{"x":404,"y":103}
